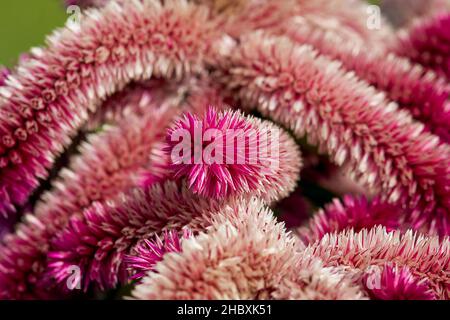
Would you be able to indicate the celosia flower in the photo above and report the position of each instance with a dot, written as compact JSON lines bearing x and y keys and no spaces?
{"x":310,"y":280}
{"x":352,"y":213}
{"x":106,"y":232}
{"x":227,"y":153}
{"x":149,"y":252}
{"x":381,"y":146}
{"x":49,"y":96}
{"x":109,"y":163}
{"x":359,"y":252}
{"x":393,"y":283}
{"x":244,"y":255}
{"x":428,"y":43}
{"x":396,"y":76}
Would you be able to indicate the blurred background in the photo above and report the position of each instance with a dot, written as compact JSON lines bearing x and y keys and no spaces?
{"x":25,"y":23}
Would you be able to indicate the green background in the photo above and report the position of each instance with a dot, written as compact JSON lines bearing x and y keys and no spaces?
{"x":25,"y":23}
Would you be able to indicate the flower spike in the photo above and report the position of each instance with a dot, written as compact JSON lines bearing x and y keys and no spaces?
{"x":227,"y":153}
{"x":381,"y":146}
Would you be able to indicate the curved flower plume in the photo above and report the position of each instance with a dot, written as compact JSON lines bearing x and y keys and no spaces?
{"x":243,"y":255}
{"x":86,"y":3}
{"x":428,"y":43}
{"x":149,"y":253}
{"x":49,"y":96}
{"x":358,"y":253}
{"x":396,"y":284}
{"x":109,"y":163}
{"x":413,"y":88}
{"x":381,"y":146}
{"x":106,"y":232}
{"x":312,"y":281}
{"x":226,"y":153}
{"x":352,"y":213}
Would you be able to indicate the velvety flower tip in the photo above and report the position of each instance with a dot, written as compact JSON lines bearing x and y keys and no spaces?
{"x":149,"y":252}
{"x":243,"y":255}
{"x":394,"y":283}
{"x":226,"y":153}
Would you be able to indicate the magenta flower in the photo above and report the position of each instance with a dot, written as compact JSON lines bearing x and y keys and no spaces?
{"x":49,"y":96}
{"x":107,"y":232}
{"x":150,"y":252}
{"x":397,"y":284}
{"x":379,"y":145}
{"x":355,"y":213}
{"x":226,"y":153}
{"x":243,"y":255}
{"x":426,"y":257}
{"x":428,"y":43}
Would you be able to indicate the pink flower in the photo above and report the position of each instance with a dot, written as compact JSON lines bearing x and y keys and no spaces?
{"x":149,"y":252}
{"x":397,"y":284}
{"x":99,"y":239}
{"x":244,"y":255}
{"x":355,"y":213}
{"x":310,"y":280}
{"x":357,"y":253}
{"x":428,"y":43}
{"x":379,"y":145}
{"x":226,"y":153}
{"x":48,"y":99}
{"x":422,"y":93}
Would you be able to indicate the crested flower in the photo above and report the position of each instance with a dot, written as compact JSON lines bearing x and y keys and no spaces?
{"x":358,"y":253}
{"x":395,"y":76}
{"x":149,"y":252}
{"x":428,"y":42}
{"x":355,"y":213}
{"x":312,"y":281}
{"x":380,"y":146}
{"x":106,"y":232}
{"x":394,"y":283}
{"x":109,"y":163}
{"x":226,"y":153}
{"x":402,"y":13}
{"x":50,"y":95}
{"x":243,"y":255}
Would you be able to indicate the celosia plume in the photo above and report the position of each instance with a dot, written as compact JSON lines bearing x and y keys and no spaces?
{"x":243,"y":256}
{"x":118,"y":227}
{"x":395,"y":76}
{"x":48,"y":97}
{"x":227,"y":153}
{"x":395,"y":283}
{"x":313,"y":96}
{"x":357,"y":253}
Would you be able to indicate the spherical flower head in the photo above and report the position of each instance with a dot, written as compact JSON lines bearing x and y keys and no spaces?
{"x":394,"y":283}
{"x":150,"y":252}
{"x":226,"y":153}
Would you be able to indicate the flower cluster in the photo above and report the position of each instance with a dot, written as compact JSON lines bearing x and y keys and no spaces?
{"x":170,"y":145}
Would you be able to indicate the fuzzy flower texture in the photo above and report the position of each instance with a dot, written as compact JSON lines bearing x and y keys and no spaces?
{"x":244,"y":149}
